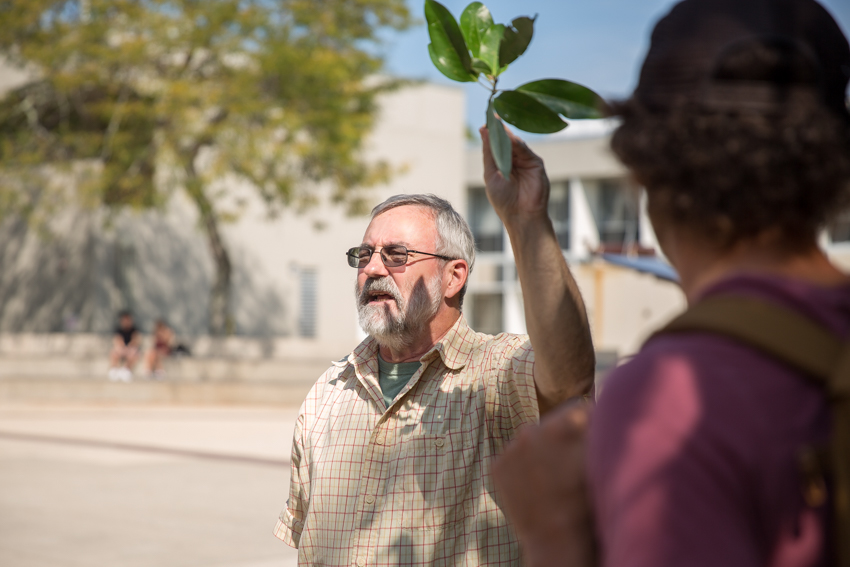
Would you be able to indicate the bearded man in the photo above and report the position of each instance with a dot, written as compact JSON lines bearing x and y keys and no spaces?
{"x":392,"y":447}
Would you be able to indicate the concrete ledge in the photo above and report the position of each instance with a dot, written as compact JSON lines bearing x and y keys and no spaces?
{"x":92,"y":345}
{"x":180,"y":369}
{"x":30,"y":390}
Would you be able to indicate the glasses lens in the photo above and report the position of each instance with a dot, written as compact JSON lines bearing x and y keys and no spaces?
{"x":394,"y":255}
{"x":364,"y":256}
{"x":353,"y":256}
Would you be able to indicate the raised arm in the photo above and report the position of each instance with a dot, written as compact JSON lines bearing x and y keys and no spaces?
{"x":555,"y":316}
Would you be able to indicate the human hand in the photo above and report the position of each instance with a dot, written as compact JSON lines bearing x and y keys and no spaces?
{"x":542,"y":488}
{"x":526,"y":193}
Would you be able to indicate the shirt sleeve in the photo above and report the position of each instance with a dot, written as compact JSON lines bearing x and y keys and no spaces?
{"x":668,"y":489}
{"x":291,"y":521}
{"x":511,"y":395}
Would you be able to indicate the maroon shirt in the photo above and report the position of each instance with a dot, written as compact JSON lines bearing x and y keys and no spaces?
{"x":693,"y":446}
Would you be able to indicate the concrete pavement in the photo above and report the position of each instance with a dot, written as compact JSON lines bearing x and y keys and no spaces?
{"x":143,"y":486}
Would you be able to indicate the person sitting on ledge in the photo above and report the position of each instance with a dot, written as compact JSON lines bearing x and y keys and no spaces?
{"x":126,"y":342}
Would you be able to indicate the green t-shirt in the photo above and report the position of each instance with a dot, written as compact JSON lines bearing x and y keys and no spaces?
{"x":394,"y":377}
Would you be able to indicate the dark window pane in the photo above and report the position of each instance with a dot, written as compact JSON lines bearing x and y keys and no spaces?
{"x":616,"y":210}
{"x":486,"y":312}
{"x":559,"y":212}
{"x":484,"y":222}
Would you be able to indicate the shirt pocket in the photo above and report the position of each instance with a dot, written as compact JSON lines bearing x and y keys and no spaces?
{"x":438,"y":480}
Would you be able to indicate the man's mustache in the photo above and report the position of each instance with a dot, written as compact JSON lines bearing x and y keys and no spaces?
{"x":379,"y":285}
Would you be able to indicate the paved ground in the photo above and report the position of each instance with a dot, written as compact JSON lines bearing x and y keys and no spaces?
{"x":143,"y":486}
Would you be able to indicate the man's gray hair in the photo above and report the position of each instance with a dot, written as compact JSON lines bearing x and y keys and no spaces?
{"x":454,"y":238}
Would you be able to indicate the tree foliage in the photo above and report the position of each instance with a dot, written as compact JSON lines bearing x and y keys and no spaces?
{"x":153,"y":96}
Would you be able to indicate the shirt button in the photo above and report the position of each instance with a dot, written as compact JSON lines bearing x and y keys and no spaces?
{"x":379,"y":439}
{"x":438,"y":442}
{"x":370,"y":499}
{"x":361,"y":562}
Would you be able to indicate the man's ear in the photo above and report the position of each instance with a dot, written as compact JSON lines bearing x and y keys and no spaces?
{"x":457,"y":271}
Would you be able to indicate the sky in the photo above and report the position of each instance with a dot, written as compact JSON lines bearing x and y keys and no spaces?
{"x":598,"y":43}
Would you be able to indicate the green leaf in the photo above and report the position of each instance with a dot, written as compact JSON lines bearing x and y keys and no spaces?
{"x":481,"y":66}
{"x":527,"y":113}
{"x":517,"y":37}
{"x":474,"y":23}
{"x":500,"y":144}
{"x":567,"y":98}
{"x":489,"y":52}
{"x":448,"y":66}
{"x":447,"y":49}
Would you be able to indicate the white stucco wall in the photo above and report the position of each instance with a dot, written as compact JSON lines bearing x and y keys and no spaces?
{"x":420,"y":133}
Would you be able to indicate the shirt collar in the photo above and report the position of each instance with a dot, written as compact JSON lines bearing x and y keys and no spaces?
{"x":450,"y":348}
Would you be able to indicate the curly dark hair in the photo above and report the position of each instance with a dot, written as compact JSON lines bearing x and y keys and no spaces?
{"x":733,"y":174}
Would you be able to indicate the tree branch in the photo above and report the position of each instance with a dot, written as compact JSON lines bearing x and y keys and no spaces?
{"x":114,"y":122}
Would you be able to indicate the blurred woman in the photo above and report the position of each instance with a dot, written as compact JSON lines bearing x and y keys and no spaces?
{"x":163,"y":340}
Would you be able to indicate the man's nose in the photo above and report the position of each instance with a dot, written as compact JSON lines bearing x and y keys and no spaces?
{"x":375,"y":266}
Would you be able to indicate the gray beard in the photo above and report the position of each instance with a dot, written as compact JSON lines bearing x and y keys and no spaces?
{"x":397,"y":331}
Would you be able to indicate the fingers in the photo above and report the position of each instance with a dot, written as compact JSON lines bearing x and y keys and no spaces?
{"x":573,"y":415}
{"x":489,"y":162}
{"x":485,"y":138}
{"x":567,"y":423}
{"x":521,"y":155}
{"x":515,"y":140}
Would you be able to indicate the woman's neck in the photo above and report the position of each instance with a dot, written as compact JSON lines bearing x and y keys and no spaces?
{"x":701,"y":266}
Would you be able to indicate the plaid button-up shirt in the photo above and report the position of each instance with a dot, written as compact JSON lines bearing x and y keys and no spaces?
{"x":409,"y":484}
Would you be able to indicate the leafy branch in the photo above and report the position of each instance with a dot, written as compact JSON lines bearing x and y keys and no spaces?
{"x":479,"y":50}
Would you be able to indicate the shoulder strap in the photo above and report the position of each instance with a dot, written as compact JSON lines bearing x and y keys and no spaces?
{"x":775,"y":330}
{"x":805,"y":345}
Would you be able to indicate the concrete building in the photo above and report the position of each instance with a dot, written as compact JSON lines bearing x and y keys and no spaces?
{"x":292,"y":288}
{"x":595,"y":210}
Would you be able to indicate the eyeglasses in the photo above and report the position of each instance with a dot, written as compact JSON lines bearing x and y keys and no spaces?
{"x":392,"y":256}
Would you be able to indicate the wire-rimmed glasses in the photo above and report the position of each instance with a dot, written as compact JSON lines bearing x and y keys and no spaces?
{"x":392,"y":256}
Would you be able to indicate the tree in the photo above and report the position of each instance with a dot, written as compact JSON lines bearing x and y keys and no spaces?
{"x":139,"y":98}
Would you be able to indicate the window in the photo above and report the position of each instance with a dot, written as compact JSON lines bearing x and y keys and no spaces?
{"x":487,"y":227}
{"x":559,"y":212}
{"x":486,"y":312}
{"x":484,"y":222}
{"x":616,"y":209}
{"x":307,"y":314}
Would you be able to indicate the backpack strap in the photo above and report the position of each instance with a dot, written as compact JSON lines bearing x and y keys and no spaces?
{"x":796,"y":340}
{"x":777,"y":331}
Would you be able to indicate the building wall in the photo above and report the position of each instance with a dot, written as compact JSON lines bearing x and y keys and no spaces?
{"x":425,"y":146}
{"x":86,"y":265}
{"x":291,"y":285}
{"x":590,"y":196}
{"x":590,"y":189}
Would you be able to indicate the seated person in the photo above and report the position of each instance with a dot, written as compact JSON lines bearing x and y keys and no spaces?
{"x":125,"y":348}
{"x":163,"y":345}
